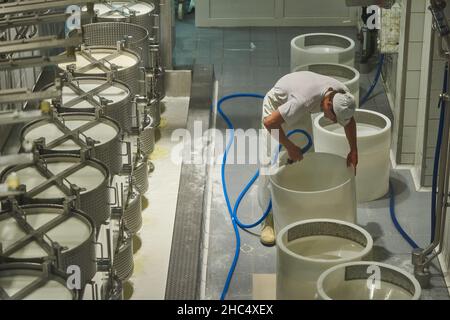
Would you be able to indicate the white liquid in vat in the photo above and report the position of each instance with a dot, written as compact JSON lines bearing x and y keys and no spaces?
{"x":122,"y":61}
{"x":32,"y":178}
{"x":52,"y":290}
{"x":323,"y":49}
{"x":358,"y":290}
{"x":325,"y":247}
{"x":362,"y":129}
{"x":71,"y":233}
{"x":100,"y":132}
{"x":47,"y":130}
{"x":87,"y":177}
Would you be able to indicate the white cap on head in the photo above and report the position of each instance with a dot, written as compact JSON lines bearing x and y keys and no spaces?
{"x":344,"y":107}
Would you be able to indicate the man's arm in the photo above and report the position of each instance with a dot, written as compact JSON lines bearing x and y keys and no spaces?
{"x":350,"y":133}
{"x":274,"y":122}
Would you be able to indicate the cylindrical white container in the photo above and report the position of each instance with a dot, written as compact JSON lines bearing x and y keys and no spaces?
{"x":345,"y":74}
{"x":367,"y":281}
{"x":16,"y":277}
{"x":306,"y":249}
{"x":322,"y":48}
{"x":319,"y":186}
{"x":374,"y":140}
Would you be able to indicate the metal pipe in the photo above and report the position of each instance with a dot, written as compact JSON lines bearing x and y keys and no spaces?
{"x":442,"y":188}
{"x":442,"y":201}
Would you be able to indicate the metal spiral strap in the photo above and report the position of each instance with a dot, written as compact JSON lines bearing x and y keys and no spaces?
{"x":132,"y":215}
{"x":146,"y":139}
{"x":123,"y":263}
{"x":140,"y":174}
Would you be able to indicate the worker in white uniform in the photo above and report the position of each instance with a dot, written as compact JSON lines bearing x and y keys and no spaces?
{"x":286,"y":107}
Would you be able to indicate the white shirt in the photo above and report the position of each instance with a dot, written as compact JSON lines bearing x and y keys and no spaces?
{"x":298,"y":94}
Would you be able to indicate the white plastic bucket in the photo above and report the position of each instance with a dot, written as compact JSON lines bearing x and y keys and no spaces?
{"x":367,"y":281}
{"x":374,"y":141}
{"x":319,"y":186}
{"x":306,"y":249}
{"x":322,"y":48}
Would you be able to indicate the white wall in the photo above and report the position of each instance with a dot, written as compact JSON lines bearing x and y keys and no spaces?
{"x":432,"y":115}
{"x":233,"y":13}
{"x":395,"y":84}
{"x":407,"y":80}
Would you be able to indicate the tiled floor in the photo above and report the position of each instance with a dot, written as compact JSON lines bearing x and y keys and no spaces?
{"x":252,"y":60}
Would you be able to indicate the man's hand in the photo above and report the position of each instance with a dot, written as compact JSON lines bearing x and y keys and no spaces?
{"x":295,"y":154}
{"x":352,"y":159}
{"x":350,"y":133}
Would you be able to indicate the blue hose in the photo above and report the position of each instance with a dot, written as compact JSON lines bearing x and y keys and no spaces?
{"x":233,"y":210}
{"x":394,"y":218}
{"x":375,"y":81}
{"x":437,"y":154}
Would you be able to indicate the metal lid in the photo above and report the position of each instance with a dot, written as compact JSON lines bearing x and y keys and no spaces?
{"x":29,"y":281}
{"x":54,"y":176}
{"x":31,"y":231}
{"x":88,"y":92}
{"x":70,"y":131}
{"x":94,"y":60}
{"x":123,"y":9}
